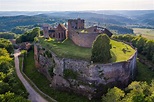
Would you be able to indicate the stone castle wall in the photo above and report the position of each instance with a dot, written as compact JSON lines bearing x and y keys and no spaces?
{"x":89,"y":76}
{"x":83,"y":39}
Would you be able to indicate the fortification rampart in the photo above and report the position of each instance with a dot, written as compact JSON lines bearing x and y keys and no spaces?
{"x":91,"y":79}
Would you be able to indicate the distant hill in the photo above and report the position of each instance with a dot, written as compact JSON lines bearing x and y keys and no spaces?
{"x":7,"y":23}
{"x":122,"y":18}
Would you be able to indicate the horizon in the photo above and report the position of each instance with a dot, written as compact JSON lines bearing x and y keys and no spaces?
{"x":80,"y":5}
{"x":74,"y":10}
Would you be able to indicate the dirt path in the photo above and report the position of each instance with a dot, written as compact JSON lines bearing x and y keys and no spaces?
{"x":33,"y":95}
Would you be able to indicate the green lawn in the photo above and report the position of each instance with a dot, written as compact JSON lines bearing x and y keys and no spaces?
{"x":147,"y":33}
{"x":117,"y":53}
{"x":144,"y":73}
{"x":69,"y":50}
{"x":43,"y":84}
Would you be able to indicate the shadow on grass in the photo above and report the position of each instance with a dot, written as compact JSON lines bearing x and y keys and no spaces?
{"x":114,"y":57}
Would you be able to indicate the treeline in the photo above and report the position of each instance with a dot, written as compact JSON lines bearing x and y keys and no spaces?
{"x":11,"y":89}
{"x":6,"y":44}
{"x":29,"y":36}
{"x":7,"y":35}
{"x":7,"y":23}
{"x":135,"y":92}
{"x":120,"y":30}
{"x":23,"y":29}
{"x":143,"y":45}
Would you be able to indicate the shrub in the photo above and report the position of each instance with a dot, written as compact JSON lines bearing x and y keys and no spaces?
{"x":48,"y":53}
{"x":68,"y":73}
{"x":101,"y":49}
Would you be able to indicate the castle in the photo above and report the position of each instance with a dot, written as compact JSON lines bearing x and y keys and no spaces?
{"x":76,"y":31}
{"x":91,"y":79}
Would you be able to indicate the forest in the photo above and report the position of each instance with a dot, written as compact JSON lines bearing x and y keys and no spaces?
{"x":11,"y":89}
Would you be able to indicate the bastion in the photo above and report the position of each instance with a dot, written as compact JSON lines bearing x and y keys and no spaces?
{"x":83,"y":77}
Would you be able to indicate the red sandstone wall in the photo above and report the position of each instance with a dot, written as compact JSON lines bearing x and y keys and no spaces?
{"x":37,"y":65}
{"x":83,"y":39}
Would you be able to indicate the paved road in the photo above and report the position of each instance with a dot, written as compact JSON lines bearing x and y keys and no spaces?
{"x":33,"y":95}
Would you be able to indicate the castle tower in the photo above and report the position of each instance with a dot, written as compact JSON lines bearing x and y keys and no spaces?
{"x":75,"y":24}
{"x":46,"y":30}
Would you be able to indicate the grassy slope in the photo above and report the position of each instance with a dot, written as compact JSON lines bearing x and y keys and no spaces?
{"x":117,"y":53}
{"x":70,"y":50}
{"x":147,"y":33}
{"x":144,"y":73}
{"x":66,"y":49}
{"x":43,"y":84}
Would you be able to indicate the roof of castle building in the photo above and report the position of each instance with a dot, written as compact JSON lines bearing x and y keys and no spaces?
{"x":61,"y":27}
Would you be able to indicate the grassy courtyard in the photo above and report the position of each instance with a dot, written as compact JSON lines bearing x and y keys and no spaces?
{"x":69,"y":50}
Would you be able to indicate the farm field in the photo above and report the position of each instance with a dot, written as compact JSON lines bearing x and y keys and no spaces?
{"x":147,"y":33}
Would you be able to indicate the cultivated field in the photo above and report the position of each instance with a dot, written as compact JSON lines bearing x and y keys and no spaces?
{"x":147,"y":33}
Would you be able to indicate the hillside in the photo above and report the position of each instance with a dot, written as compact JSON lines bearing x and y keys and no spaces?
{"x":122,"y":19}
{"x":7,"y":23}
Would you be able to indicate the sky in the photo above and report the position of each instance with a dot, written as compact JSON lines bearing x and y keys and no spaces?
{"x":75,"y":5}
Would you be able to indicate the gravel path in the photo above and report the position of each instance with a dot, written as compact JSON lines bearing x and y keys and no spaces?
{"x":33,"y":95}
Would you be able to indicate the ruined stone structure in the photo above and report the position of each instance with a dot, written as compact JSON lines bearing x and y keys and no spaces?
{"x":91,"y":79}
{"x":46,"y":30}
{"x":59,"y":33}
{"x":75,"y":24}
{"x":80,"y":35}
{"x":80,"y":76}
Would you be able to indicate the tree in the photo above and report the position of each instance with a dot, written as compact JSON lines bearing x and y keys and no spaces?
{"x":140,"y":44}
{"x":6,"y":44}
{"x":135,"y":92}
{"x":29,"y":36}
{"x":149,"y":49}
{"x":114,"y":95}
{"x":9,"y":84}
{"x":7,"y":35}
{"x":101,"y":49}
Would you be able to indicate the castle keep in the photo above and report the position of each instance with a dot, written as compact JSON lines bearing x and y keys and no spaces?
{"x":76,"y":31}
